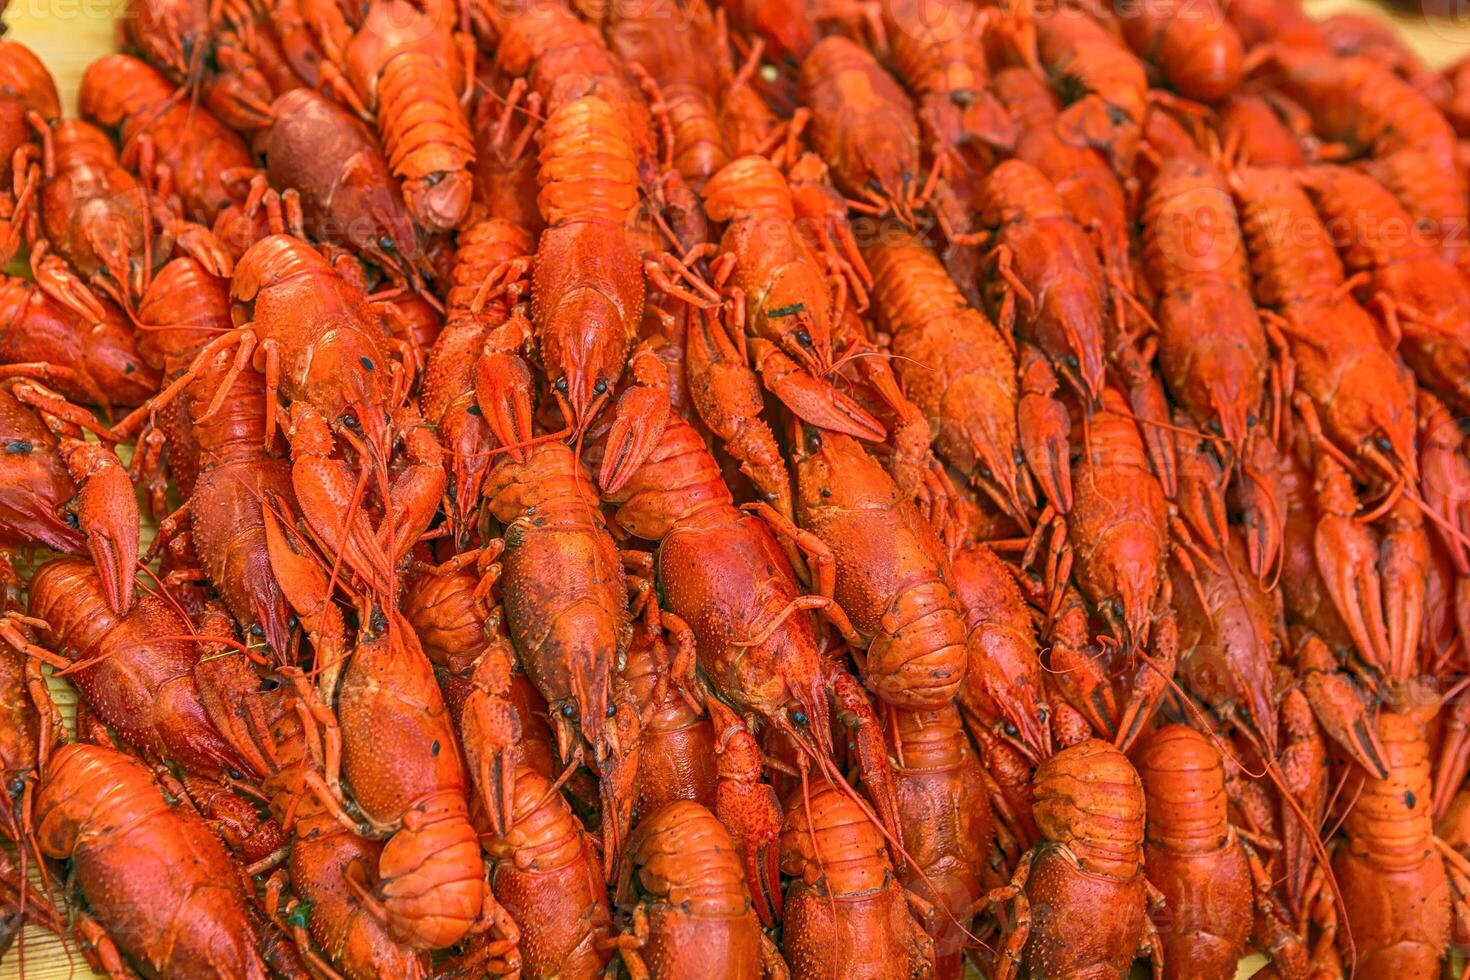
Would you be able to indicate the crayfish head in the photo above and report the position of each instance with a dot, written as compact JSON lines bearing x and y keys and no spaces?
{"x":586,"y":641}
{"x":581,"y":395}
{"x":465,"y":438}
{"x":1133,"y":568}
{"x":1006,"y":674}
{"x":112,"y":238}
{"x":807,"y":720}
{"x":584,"y":346}
{"x":365,"y":424}
{"x":1231,"y":417}
{"x":1079,"y":316}
{"x":997,"y":475}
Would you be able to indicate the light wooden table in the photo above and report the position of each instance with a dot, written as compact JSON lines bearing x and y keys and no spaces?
{"x":69,"y":34}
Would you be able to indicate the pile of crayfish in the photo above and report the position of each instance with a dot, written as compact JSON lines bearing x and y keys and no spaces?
{"x":737,"y":489}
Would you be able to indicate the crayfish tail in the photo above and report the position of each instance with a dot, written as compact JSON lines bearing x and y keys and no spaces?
{"x":431,"y":877}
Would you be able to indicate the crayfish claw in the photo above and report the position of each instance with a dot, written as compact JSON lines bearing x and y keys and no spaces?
{"x":1150,"y":682}
{"x":638,"y":425}
{"x":57,"y":281}
{"x":1348,"y":560}
{"x":1262,"y":505}
{"x":1045,"y":430}
{"x":200,"y":243}
{"x":491,"y":734}
{"x":813,"y":400}
{"x":1453,"y":762}
{"x":1200,"y":496}
{"x":107,"y":513}
{"x":1339,"y":706}
{"x":503,"y":394}
{"x":635,"y":433}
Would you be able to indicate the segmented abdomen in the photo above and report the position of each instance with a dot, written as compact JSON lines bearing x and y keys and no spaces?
{"x":589,"y":168}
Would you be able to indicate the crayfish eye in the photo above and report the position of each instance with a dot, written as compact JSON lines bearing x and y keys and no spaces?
{"x":386,"y":244}
{"x":569,"y":710}
{"x":612,"y":709}
{"x":798,"y":716}
{"x":350,"y":421}
{"x":236,"y":774}
{"x":1011,"y":730}
{"x":71,"y":520}
{"x":1381,"y":441}
{"x":601,"y":386}
{"x":1250,"y":419}
{"x":268,"y":684}
{"x":803,"y":338}
{"x":256,"y":630}
{"x":561,"y":384}
{"x":16,"y":786}
{"x":1071,"y":361}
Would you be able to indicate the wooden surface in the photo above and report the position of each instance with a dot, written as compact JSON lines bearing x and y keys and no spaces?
{"x":69,"y":34}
